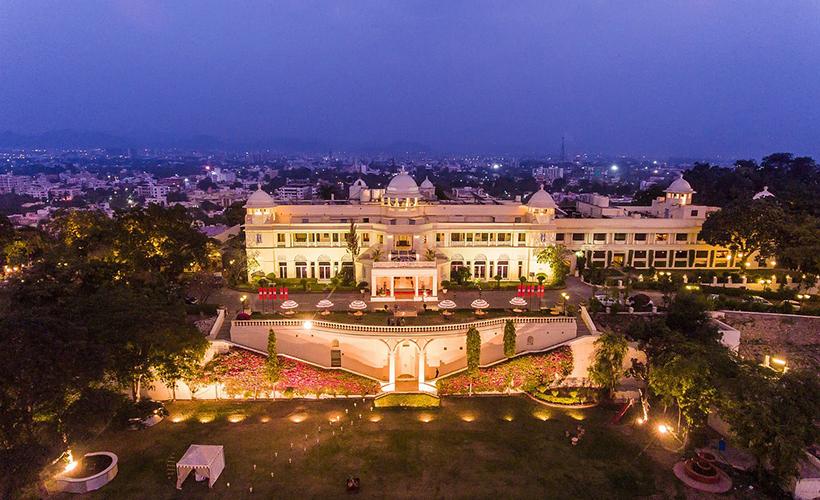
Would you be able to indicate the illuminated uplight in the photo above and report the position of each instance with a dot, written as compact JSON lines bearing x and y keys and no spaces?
{"x":508,"y":418}
{"x":542,"y":415}
{"x":640,"y":420}
{"x":236,"y":418}
{"x":663,"y":429}
{"x":779,"y":361}
{"x":307,"y":325}
{"x":375,"y":418}
{"x":297,"y":418}
{"x":425,"y":418}
{"x":204,"y":419}
{"x":177,"y":419}
{"x":468,"y":417}
{"x":265,"y":419}
{"x":576,"y":415}
{"x":72,"y":464}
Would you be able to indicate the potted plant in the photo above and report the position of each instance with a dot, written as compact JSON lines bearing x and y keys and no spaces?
{"x":444,"y":286}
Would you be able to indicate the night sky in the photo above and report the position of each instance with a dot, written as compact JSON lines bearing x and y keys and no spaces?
{"x":693,"y":77}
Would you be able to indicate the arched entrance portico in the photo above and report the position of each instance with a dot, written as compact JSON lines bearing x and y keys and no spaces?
{"x":407,"y":366}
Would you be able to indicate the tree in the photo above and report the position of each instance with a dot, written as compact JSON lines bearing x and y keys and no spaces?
{"x":606,"y":369}
{"x":557,"y":259}
{"x":145,"y":332}
{"x":272,"y":367}
{"x":509,"y":338}
{"x":773,"y":416}
{"x":498,"y":279}
{"x":645,"y":197}
{"x":746,"y":228}
{"x":201,"y":285}
{"x":352,"y":240}
{"x":461,"y":275}
{"x":473,"y":350}
{"x":683,"y":377}
{"x":687,"y":315}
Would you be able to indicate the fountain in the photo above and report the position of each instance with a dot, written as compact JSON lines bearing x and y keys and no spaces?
{"x":699,"y":472}
{"x":91,"y":472}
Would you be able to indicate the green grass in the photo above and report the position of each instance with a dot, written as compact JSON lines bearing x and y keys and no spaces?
{"x":398,"y":400}
{"x":507,"y":447}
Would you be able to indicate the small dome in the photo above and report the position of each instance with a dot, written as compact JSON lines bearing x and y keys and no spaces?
{"x":259,"y":199}
{"x":680,"y":186}
{"x":763,"y":194}
{"x":402,"y":186}
{"x":541,"y":199}
{"x":426,"y":184}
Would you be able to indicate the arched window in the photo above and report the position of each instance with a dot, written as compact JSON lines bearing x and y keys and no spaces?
{"x":530,"y":340}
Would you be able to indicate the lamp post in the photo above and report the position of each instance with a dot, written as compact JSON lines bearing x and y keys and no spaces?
{"x":242,"y":300}
{"x":565,"y":296}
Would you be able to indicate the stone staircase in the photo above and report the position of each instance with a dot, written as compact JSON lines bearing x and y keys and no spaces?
{"x":582,"y":327}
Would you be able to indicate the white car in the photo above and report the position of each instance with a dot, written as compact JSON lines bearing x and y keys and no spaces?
{"x":605,"y":300}
{"x":757,"y":299}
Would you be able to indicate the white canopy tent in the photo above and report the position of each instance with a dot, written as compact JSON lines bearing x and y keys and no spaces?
{"x":205,"y":460}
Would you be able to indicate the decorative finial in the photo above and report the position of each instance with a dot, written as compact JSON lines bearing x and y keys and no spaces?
{"x":542,"y":186}
{"x":258,"y":186}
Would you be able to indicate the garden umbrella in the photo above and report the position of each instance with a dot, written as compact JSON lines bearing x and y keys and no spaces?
{"x":518,"y":302}
{"x":480,"y":304}
{"x":447,"y":304}
{"x":324,"y":304}
{"x":358,"y":305}
{"x":289,"y":304}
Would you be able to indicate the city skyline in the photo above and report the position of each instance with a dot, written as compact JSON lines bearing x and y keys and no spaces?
{"x":686,"y":79}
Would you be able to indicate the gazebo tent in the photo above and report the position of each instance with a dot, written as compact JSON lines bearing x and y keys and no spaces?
{"x":205,"y":460}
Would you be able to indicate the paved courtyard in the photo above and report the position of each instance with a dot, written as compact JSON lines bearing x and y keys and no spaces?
{"x":498,"y":299}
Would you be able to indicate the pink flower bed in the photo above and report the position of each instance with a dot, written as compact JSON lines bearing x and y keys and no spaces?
{"x":243,"y":372}
{"x":521,"y":373}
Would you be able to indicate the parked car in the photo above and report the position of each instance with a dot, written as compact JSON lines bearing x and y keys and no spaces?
{"x":605,"y":300}
{"x":757,"y":299}
{"x":793,"y":304}
{"x":640,"y":301}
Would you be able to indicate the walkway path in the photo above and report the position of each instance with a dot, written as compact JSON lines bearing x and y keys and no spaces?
{"x":498,"y":299}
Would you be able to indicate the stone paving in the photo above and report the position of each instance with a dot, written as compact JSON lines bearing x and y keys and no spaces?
{"x":498,"y":299}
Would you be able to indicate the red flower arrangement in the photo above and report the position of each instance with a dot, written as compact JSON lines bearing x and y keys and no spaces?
{"x":521,"y":373}
{"x":243,"y":373}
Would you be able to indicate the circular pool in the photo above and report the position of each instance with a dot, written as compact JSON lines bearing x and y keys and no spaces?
{"x":92,"y":472}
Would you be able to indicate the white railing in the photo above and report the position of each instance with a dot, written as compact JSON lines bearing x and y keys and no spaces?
{"x":403,"y":330}
{"x":587,"y":319}
{"x":404,"y":263}
{"x":220,"y":320}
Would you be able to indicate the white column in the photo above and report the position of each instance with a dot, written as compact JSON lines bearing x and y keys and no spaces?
{"x":373,"y":291}
{"x":392,"y":367}
{"x":416,"y":286}
{"x":392,"y":287}
{"x":434,"y":291}
{"x":422,"y":363}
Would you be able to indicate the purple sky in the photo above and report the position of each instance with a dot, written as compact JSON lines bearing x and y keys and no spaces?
{"x":693,"y":77}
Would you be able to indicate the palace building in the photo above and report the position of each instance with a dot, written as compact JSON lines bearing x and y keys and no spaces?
{"x":409,"y":242}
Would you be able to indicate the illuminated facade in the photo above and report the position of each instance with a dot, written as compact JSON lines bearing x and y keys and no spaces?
{"x":410,"y":242}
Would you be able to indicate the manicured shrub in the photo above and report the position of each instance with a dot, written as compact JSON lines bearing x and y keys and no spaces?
{"x":473,"y":349}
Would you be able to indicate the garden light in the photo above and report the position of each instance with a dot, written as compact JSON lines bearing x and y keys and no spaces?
{"x":72,"y":464}
{"x":663,"y":429}
{"x":307,"y":325}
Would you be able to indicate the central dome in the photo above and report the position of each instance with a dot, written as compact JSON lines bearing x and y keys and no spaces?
{"x":259,"y":198}
{"x":680,"y":185}
{"x":541,"y":199}
{"x":402,"y":186}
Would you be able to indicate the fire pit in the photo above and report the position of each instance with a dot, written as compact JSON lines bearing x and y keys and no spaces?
{"x":90,"y":473}
{"x":700,"y":473}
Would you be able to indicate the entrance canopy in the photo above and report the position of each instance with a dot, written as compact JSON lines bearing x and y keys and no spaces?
{"x":205,"y":460}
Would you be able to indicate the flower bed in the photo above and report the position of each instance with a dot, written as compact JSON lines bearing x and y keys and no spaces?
{"x":569,"y":396}
{"x":243,"y":373}
{"x":523,"y":373}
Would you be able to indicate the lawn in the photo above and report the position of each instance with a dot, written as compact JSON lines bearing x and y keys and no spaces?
{"x":469,"y":448}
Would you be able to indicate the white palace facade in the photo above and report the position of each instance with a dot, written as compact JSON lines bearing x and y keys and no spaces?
{"x":410,"y":242}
